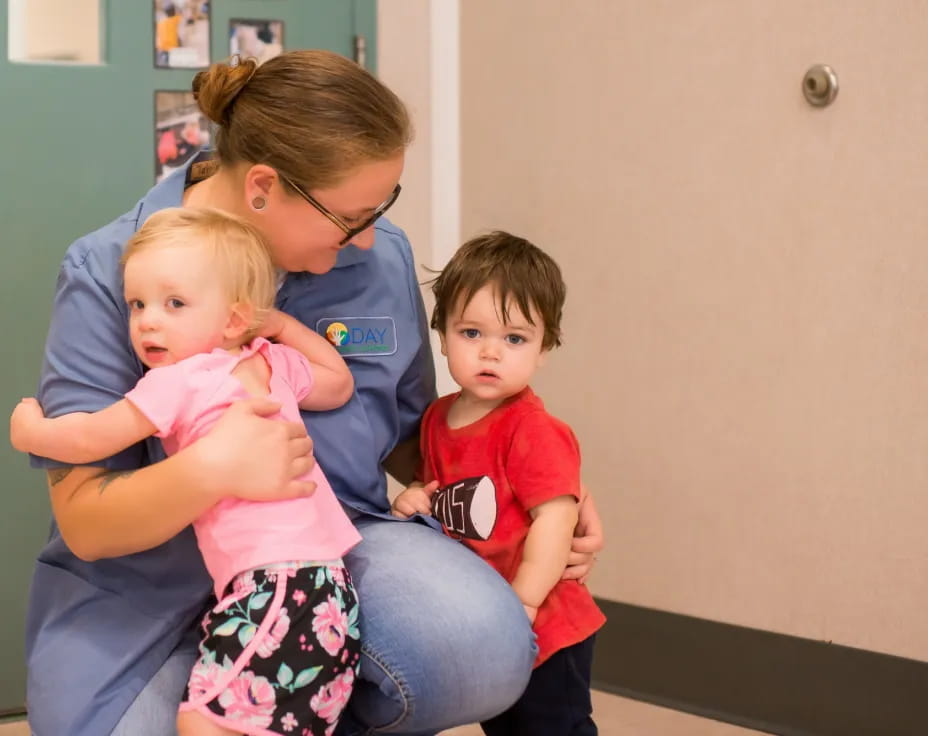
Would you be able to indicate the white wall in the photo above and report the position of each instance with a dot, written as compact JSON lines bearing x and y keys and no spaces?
{"x":419,"y":59}
{"x":54,"y":30}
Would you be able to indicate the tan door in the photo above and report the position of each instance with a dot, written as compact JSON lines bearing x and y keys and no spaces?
{"x":746,"y":340}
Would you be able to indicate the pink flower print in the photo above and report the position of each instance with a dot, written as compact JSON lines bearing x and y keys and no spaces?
{"x":287,"y":569}
{"x":243,"y":584}
{"x":332,"y":697}
{"x":271,"y":643}
{"x":328,"y":731}
{"x":288,"y":722}
{"x":299,"y":596}
{"x":338,"y":577}
{"x":249,"y":700}
{"x":204,"y":677}
{"x":330,"y":625}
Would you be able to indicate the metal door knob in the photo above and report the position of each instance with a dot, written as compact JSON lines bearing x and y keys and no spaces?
{"x":820,"y":85}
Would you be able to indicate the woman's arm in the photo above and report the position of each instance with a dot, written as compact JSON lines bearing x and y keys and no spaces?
{"x":416,"y":388}
{"x":108,"y":514}
{"x":79,"y":437}
{"x":404,"y":460}
{"x":333,"y":383}
{"x":89,"y":364}
{"x":545,"y":552}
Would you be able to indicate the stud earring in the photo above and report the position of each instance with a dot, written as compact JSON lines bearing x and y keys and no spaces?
{"x":258,"y":203}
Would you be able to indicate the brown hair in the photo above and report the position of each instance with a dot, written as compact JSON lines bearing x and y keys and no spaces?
{"x":243,"y":261}
{"x":516,"y":268}
{"x":312,"y":115}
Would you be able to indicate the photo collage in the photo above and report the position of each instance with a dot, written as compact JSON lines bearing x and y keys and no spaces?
{"x":182,"y":41}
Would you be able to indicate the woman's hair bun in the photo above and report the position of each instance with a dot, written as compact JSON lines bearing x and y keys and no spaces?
{"x":216,"y":88}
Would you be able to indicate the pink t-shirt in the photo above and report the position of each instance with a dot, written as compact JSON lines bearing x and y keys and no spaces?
{"x":184,"y":401}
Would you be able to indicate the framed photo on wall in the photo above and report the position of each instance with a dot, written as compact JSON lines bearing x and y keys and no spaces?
{"x":181,"y":34}
{"x":180,"y":131}
{"x":261,"y":39}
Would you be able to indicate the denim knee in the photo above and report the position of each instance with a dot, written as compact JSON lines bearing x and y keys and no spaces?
{"x":154,"y":711}
{"x":445,"y":641}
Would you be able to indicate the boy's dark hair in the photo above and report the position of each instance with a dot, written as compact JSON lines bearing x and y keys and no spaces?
{"x":519,"y":271}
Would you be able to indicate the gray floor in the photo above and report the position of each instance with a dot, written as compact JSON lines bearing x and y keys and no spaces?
{"x":615,"y":716}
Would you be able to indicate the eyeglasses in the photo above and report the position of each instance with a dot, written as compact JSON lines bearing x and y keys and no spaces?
{"x":350,"y":232}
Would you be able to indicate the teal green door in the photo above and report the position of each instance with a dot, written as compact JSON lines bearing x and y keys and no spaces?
{"x":76,"y":150}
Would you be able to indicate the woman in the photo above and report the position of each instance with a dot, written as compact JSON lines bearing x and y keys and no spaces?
{"x":310,"y":151}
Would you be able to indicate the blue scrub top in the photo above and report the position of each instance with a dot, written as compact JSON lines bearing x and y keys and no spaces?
{"x":97,"y":632}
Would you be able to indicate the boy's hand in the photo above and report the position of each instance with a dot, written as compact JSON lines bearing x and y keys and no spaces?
{"x":417,"y":499}
{"x":26,"y":417}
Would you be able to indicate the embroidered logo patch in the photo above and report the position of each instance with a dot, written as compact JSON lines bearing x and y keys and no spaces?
{"x":360,"y":336}
{"x":337,"y":334}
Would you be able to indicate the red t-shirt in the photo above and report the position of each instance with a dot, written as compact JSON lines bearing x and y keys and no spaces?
{"x":530,"y":457}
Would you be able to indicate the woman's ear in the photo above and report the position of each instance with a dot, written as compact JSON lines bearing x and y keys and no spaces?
{"x":241,"y":320}
{"x":260,"y":180}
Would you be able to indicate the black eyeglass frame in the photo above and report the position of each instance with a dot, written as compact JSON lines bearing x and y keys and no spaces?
{"x":350,"y":232}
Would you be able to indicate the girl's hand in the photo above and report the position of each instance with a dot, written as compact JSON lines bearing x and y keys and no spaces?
{"x":25,"y":419}
{"x":272,"y":325}
{"x":417,"y":499}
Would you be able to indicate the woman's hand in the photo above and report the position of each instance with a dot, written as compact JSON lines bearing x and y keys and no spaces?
{"x":587,"y":542}
{"x":251,"y":457}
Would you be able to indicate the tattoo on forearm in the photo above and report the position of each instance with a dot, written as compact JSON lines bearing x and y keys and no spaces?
{"x":57,"y":475}
{"x":110,"y":477}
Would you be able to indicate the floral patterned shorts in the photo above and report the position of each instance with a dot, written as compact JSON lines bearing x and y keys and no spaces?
{"x":280,"y":652}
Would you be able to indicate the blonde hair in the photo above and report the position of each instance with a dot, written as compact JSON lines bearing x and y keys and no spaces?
{"x":243,"y":260}
{"x":313,"y":115}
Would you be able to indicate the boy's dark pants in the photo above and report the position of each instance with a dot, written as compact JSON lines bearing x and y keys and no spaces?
{"x":556,"y":701}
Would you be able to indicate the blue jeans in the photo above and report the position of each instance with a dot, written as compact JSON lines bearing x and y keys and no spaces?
{"x":444,"y":639}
